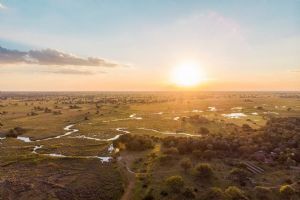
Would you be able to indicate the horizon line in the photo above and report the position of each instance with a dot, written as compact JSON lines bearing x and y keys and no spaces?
{"x":74,"y":91}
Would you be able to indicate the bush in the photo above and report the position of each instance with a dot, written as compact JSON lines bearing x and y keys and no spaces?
{"x":204,"y":170}
{"x":203,"y":131}
{"x":246,"y":127}
{"x":197,"y":153}
{"x":186,"y":164}
{"x":239,"y":176}
{"x":208,"y":154}
{"x":164,"y":193}
{"x":165,"y":159}
{"x":171,"y":151}
{"x":263,"y":193}
{"x":135,"y":142}
{"x":188,"y":193}
{"x":234,"y":193}
{"x":149,"y":196}
{"x":15,"y":132}
{"x":287,"y":192}
{"x":12,"y":133}
{"x":174,"y":183}
{"x":214,"y":194}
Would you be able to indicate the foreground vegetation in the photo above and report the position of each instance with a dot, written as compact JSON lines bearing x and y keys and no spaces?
{"x":165,"y":146}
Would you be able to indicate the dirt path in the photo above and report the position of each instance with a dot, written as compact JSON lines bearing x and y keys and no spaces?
{"x":128,"y":191}
{"x":124,"y":161}
{"x":131,"y":177}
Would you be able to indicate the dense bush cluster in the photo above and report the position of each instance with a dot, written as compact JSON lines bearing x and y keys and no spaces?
{"x":14,"y":132}
{"x":135,"y":142}
{"x":277,"y":142}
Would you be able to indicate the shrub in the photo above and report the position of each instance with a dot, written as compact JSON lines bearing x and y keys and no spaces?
{"x":234,"y":193}
{"x":263,"y":193}
{"x":208,"y":154}
{"x":12,"y":133}
{"x":203,"y":131}
{"x":286,"y":192}
{"x":214,"y":194}
{"x":188,"y":193}
{"x":204,"y":170}
{"x":164,"y":159}
{"x":20,"y":130}
{"x":171,"y":151}
{"x":135,"y":142}
{"x":197,"y":153}
{"x":186,"y":164}
{"x":149,"y":196}
{"x":164,"y":193}
{"x":174,"y":183}
{"x":246,"y":127}
{"x":239,"y":176}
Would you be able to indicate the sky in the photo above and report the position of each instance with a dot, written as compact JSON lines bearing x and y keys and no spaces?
{"x":133,"y":45}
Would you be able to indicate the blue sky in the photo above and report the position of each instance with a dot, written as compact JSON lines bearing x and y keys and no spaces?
{"x":252,"y":38}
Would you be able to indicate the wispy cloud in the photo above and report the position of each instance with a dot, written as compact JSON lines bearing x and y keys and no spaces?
{"x":51,"y":57}
{"x":295,"y":71}
{"x":72,"y":72}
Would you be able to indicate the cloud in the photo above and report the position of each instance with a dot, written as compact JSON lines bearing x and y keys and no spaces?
{"x":51,"y":57}
{"x":11,"y":56}
{"x":71,"y":72}
{"x":2,"y":6}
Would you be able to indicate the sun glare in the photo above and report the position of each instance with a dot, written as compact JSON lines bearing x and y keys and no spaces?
{"x":187,"y":75}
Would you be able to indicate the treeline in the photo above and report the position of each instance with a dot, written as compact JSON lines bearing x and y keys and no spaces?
{"x":135,"y":142}
{"x":277,"y":142}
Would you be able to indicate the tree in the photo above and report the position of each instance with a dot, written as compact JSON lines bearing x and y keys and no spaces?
{"x":263,"y":193}
{"x":197,"y":153}
{"x":188,"y":193}
{"x":239,"y":175}
{"x":149,"y":195}
{"x":208,"y":154}
{"x":214,"y":193}
{"x":171,"y":151}
{"x":174,"y":183}
{"x":246,"y":127}
{"x":287,"y":192}
{"x":186,"y":164}
{"x":165,"y":159}
{"x":234,"y":193}
{"x":203,"y":131}
{"x":204,"y":170}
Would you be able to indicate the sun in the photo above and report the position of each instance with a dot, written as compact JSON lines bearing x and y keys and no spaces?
{"x":188,"y":74}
